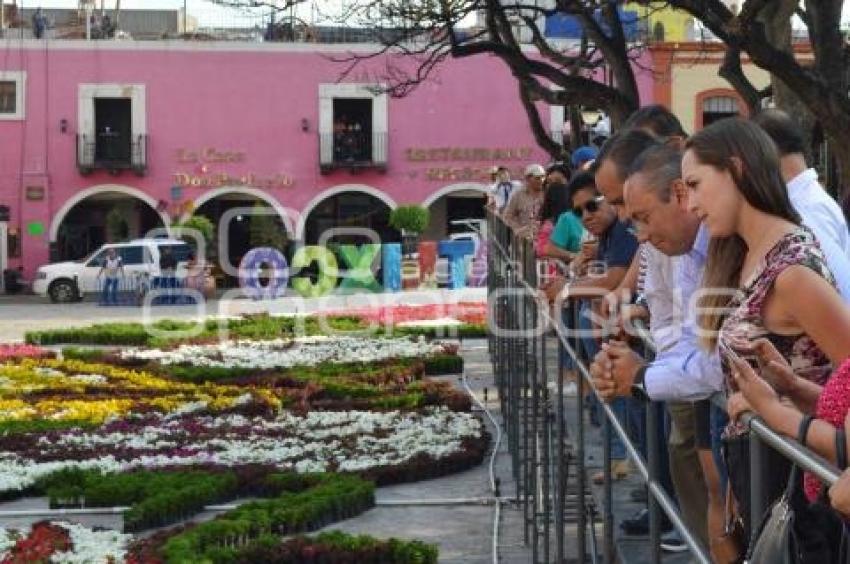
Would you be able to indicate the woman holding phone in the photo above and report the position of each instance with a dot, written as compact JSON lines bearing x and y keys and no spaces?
{"x":829,"y":404}
{"x":765,"y":275}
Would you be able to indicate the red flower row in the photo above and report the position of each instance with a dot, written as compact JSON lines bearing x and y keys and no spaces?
{"x":44,"y":540}
{"x":467,"y":312}
{"x":14,"y":351}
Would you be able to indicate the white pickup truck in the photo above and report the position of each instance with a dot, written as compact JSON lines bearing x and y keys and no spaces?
{"x":71,"y":280}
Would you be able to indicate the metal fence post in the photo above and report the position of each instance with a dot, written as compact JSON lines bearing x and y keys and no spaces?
{"x":561,"y":464}
{"x":758,"y":494}
{"x":607,"y":496}
{"x":581,"y":469}
{"x":653,"y":455}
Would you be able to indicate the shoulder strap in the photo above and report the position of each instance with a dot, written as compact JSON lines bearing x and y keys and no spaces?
{"x":794,"y":478}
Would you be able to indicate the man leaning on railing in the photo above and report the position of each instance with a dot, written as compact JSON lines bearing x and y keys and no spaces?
{"x":655,"y":198}
{"x":604,"y":270}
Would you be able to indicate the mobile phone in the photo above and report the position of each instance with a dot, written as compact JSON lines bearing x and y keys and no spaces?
{"x":733,"y":355}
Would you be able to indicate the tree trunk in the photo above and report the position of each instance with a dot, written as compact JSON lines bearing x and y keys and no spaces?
{"x":576,"y":128}
{"x":776,"y":18}
{"x":840,"y":150}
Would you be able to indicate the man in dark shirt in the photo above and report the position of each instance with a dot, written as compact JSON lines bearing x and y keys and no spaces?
{"x":607,"y":262}
{"x":601,"y":268}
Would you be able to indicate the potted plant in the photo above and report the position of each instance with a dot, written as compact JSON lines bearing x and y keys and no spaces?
{"x":199,"y":223}
{"x":411,"y":220}
{"x":117,"y":225}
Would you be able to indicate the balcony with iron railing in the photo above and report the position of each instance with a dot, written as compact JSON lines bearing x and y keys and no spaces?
{"x":114,"y":154}
{"x":353,"y":150}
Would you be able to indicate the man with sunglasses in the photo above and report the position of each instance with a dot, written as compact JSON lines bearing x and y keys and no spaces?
{"x":604,"y":271}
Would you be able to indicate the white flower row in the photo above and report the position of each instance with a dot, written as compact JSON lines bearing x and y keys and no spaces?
{"x":8,"y":538}
{"x":87,"y":546}
{"x":317,"y":442}
{"x":281,"y":353}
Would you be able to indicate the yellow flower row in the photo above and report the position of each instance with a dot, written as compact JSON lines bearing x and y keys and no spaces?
{"x":55,"y":387}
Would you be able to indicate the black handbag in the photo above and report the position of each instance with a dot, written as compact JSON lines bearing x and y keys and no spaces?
{"x":776,"y":541}
{"x":736,"y":455}
{"x":795,"y":531}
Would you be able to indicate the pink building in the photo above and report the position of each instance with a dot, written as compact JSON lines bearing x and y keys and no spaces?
{"x":150,"y":132}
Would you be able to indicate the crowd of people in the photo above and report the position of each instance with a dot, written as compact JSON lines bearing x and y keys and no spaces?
{"x":725,"y":245}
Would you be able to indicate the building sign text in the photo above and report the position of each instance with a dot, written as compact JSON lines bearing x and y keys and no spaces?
{"x":204,"y":177}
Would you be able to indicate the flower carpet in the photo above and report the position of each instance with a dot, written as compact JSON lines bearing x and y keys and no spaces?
{"x":303,"y":425}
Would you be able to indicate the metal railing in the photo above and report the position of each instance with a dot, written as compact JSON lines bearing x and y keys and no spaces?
{"x":353,"y":150}
{"x":547,"y":459}
{"x":112,"y":154}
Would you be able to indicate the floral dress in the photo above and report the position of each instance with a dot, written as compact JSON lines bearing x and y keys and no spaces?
{"x":746,"y":322}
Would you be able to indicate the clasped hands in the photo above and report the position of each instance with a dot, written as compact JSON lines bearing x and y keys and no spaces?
{"x":614,"y":368}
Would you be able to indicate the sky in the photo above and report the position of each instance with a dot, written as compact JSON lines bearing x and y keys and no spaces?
{"x":210,"y":15}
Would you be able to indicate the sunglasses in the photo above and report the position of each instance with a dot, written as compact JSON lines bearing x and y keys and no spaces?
{"x":590,"y":207}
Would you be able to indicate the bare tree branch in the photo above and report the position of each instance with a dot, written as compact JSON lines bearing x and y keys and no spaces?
{"x":551,"y":54}
{"x":750,"y":11}
{"x":541,"y":136}
{"x":733,"y":72}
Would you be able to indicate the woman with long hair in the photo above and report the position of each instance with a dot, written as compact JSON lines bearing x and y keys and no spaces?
{"x":765,"y":275}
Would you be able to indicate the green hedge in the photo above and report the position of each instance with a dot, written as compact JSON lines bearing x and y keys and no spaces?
{"x":334,"y":497}
{"x":249,"y":327}
{"x":443,"y":364}
{"x":155,"y":498}
{"x":336,"y":546}
{"x":14,"y":427}
{"x":85,"y":355}
{"x":463,"y":331}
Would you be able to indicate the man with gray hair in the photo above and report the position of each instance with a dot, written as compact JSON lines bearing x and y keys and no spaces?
{"x":655,"y":199}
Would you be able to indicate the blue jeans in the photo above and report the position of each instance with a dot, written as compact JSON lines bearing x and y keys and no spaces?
{"x":110,"y":290}
{"x":567,"y":321}
{"x":719,"y":420}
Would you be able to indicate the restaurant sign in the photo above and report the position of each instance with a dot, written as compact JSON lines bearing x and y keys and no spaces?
{"x":204,"y":176}
{"x":478,"y":170}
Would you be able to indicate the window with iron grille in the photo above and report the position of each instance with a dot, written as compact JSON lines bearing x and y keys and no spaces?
{"x":716,"y":108}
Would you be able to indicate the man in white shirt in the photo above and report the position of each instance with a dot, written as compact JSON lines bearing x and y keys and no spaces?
{"x":501,"y":189}
{"x":820,"y":212}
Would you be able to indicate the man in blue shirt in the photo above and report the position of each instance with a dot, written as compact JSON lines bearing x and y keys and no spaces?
{"x":603,"y":269}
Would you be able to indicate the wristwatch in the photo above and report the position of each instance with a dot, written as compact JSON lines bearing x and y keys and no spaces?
{"x":639,"y":386}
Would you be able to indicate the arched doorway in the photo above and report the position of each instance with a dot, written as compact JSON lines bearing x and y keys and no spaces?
{"x":454,"y":203}
{"x":243,"y":219}
{"x":336,"y":208}
{"x":100,"y":215}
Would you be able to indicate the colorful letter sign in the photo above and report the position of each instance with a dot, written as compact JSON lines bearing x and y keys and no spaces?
{"x":328,"y":271}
